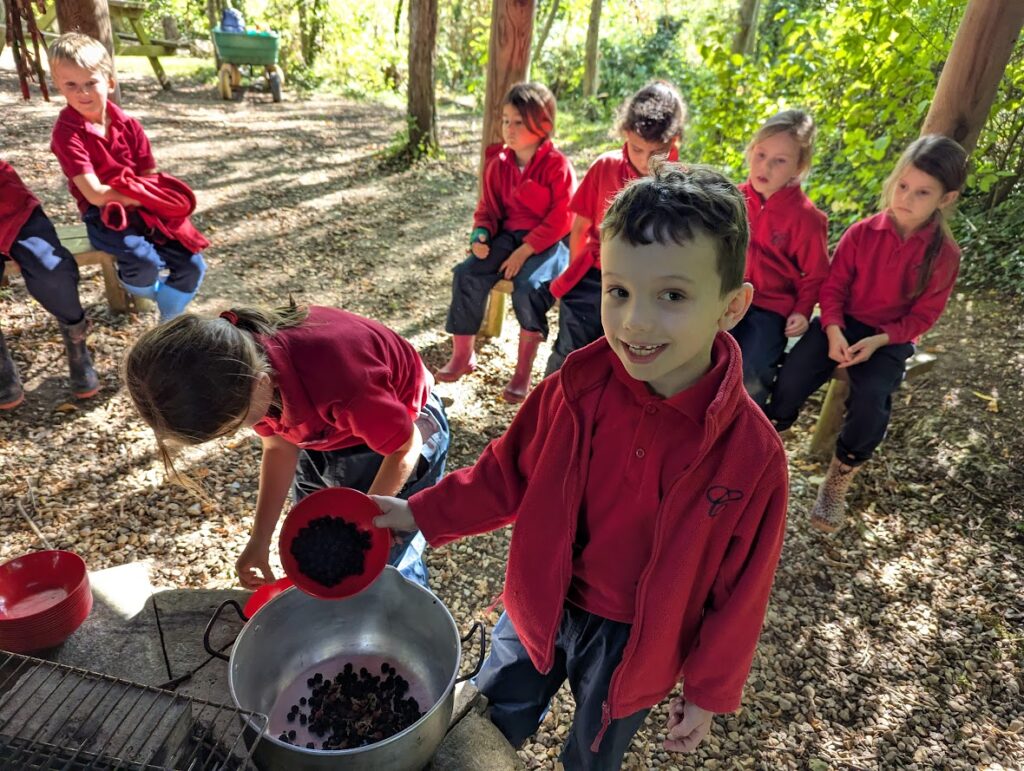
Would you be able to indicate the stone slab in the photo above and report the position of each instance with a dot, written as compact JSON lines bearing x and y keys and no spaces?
{"x":474,"y":744}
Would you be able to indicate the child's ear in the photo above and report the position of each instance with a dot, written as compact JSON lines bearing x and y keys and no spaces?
{"x":737,"y":305}
{"x":949,"y":199}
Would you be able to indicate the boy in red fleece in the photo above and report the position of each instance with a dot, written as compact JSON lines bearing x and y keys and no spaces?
{"x":103,"y":152}
{"x":648,"y":491}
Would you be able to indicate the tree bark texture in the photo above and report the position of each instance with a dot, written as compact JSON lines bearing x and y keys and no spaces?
{"x":590,"y":76}
{"x":92,"y":18}
{"x":508,"y":60}
{"x":971,"y":75}
{"x":746,"y":29}
{"x":422,"y":107}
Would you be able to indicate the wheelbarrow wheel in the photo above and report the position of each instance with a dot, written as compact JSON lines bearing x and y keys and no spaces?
{"x":225,"y":79}
{"x":274,"y":76}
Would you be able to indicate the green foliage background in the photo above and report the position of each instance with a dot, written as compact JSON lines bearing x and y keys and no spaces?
{"x":866,"y":70}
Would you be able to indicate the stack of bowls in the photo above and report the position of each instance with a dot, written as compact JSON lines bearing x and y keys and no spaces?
{"x":44,"y":597}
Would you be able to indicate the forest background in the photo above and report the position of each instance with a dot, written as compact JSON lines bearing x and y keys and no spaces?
{"x":865,"y":69}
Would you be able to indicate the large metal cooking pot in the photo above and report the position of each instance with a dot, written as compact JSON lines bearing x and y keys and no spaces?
{"x":392,"y":618}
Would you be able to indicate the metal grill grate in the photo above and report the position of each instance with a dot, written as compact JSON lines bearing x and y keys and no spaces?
{"x":58,"y":717}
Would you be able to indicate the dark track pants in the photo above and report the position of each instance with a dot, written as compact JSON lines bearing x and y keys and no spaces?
{"x":579,"y":319}
{"x":762,"y":338}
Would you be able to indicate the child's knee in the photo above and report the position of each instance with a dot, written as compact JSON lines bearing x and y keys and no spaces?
{"x":41,"y":251}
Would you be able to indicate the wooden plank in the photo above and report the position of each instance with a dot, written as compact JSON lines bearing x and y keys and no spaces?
{"x":495,"y":313}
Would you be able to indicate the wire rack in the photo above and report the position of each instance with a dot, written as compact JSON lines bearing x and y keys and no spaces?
{"x":58,"y":717}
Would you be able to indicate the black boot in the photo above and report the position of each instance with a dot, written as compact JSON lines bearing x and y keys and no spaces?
{"x":11,"y":393}
{"x":84,"y":382}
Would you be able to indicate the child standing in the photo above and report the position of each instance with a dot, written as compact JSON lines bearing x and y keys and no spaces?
{"x":889,"y":282}
{"x":51,"y":276}
{"x":338,"y":401}
{"x":519,"y":222}
{"x":111,"y":172}
{"x":651,"y":123}
{"x":648,"y":492}
{"x":787,"y":259}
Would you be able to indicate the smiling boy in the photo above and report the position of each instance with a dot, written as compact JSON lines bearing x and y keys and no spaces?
{"x":648,"y":491}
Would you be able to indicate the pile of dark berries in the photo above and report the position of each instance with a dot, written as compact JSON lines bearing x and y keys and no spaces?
{"x":354,"y":709}
{"x":330,"y":549}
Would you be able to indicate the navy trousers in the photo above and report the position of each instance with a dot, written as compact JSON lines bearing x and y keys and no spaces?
{"x":49,"y":269}
{"x":474,"y":278}
{"x":588,"y":648}
{"x":872,"y":384}
{"x":762,"y":337}
{"x":356,"y":467}
{"x":579,"y":319}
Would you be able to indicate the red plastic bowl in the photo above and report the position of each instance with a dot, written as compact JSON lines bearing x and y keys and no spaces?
{"x":44,"y":597}
{"x":351,"y":506}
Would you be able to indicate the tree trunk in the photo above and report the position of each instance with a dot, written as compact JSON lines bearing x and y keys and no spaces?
{"x":746,"y":29}
{"x":542,"y":38}
{"x":92,"y":18}
{"x":213,"y":13}
{"x":422,"y":107}
{"x":507,"y":62}
{"x":971,"y":75}
{"x":590,"y":77}
{"x":311,"y":27}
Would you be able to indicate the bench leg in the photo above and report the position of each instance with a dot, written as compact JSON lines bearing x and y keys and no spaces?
{"x":117,"y":297}
{"x":830,"y":420}
{"x":494,"y":315}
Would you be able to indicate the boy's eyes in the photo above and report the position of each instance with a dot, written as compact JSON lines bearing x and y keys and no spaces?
{"x":673,"y":295}
{"x":617,"y":291}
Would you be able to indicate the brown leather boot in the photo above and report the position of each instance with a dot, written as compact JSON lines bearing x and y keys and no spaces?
{"x":829,"y":510}
{"x":84,"y":382}
{"x":11,"y":392}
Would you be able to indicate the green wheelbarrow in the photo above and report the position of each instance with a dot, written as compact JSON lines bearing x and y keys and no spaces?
{"x":256,"y":49}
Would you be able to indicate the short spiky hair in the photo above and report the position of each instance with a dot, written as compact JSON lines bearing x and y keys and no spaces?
{"x":88,"y":53}
{"x":673,"y":203}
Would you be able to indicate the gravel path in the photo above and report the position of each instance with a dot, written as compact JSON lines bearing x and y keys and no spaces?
{"x":896,"y":644}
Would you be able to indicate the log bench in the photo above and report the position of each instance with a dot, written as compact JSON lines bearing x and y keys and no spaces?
{"x":495,"y":313}
{"x":830,"y":419}
{"x":77,"y":242}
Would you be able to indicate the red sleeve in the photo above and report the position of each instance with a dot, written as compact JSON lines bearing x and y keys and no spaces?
{"x":584,"y":201}
{"x":836,"y":288}
{"x":719,"y":661}
{"x":486,"y":496}
{"x":489,"y":210}
{"x":71,"y":153}
{"x":558,"y":178}
{"x":141,"y":149}
{"x":377,"y":417}
{"x":929,"y":306}
{"x":812,"y":259}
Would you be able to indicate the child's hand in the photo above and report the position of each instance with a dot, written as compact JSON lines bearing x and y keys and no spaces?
{"x":862,"y":350}
{"x":395,"y":514}
{"x":480,"y":243}
{"x":515,"y":261}
{"x":796,"y":325}
{"x":253,"y":566}
{"x":688,"y":724}
{"x":838,"y":348}
{"x":480,"y":250}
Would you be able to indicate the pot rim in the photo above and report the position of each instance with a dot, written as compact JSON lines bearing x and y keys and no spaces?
{"x":265,"y":734}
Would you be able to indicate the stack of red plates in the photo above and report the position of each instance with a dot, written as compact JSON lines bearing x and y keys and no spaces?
{"x":44,"y":597}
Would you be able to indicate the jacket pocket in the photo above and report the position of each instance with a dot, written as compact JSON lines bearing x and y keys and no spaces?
{"x":534,"y":197}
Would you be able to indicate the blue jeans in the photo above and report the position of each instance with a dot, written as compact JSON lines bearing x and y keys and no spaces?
{"x":356,"y":467}
{"x":579,"y":319}
{"x":762,"y":338}
{"x":474,"y":278}
{"x":588,"y":648}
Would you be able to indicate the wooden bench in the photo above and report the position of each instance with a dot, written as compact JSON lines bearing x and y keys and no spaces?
{"x":830,"y":419}
{"x":75,"y":239}
{"x":495,"y":313}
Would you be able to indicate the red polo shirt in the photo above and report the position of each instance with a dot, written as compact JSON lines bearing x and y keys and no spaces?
{"x":605,"y":178}
{"x":650,"y":441}
{"x":16,"y":205}
{"x":787,"y":259}
{"x":873,"y":273}
{"x":344,"y":380}
{"x":534,"y":199}
{"x":80,"y":149}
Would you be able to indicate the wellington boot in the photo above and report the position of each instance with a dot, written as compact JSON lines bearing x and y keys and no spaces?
{"x":11,"y":392}
{"x":84,"y":382}
{"x":519,"y":385}
{"x":462,"y":362}
{"x":829,"y":510}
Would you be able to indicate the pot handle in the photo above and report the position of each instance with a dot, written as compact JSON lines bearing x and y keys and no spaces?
{"x":209,"y":627}
{"x":477,"y":627}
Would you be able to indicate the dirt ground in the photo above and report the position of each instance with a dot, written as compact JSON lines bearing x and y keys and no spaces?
{"x":897,"y":643}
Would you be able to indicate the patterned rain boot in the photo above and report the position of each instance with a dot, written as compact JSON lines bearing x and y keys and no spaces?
{"x":84,"y":382}
{"x":462,"y":362}
{"x":519,"y":385}
{"x":11,"y":393}
{"x":829,"y":510}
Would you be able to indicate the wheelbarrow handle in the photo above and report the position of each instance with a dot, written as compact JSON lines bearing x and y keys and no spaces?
{"x":209,"y":627}
{"x":477,"y":627}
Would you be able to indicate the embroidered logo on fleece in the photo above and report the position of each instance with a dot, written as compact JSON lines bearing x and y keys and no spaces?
{"x":718,"y":496}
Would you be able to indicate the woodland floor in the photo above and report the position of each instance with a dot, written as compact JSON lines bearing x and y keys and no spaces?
{"x":898,"y":643}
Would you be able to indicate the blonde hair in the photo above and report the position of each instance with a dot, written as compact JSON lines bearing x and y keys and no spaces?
{"x":88,"y":53}
{"x":191,"y":378}
{"x":799,"y":125}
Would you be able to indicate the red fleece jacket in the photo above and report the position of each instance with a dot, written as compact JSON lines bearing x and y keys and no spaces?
{"x":787,"y":259}
{"x":166,"y":203}
{"x":534,"y":199}
{"x":16,"y":205}
{"x":701,"y":598}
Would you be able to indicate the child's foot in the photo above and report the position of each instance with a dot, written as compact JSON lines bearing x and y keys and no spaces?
{"x":462,"y":362}
{"x":84,"y":382}
{"x":517,"y":388}
{"x":829,"y":510}
{"x":11,"y":392}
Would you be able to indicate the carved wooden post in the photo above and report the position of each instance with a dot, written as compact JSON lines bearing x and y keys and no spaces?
{"x":511,"y":33}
